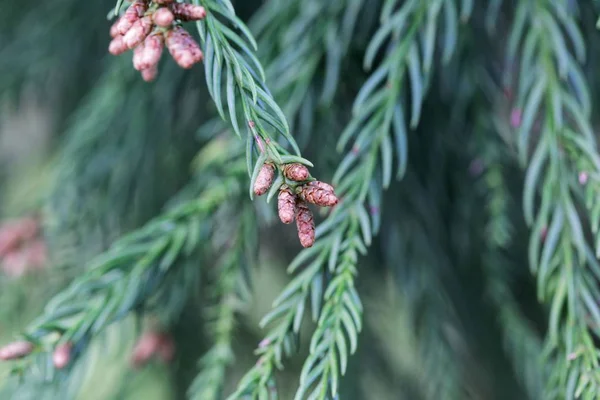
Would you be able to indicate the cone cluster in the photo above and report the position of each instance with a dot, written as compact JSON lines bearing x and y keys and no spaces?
{"x":292,"y":204}
{"x":22,"y":249}
{"x":147,"y":27}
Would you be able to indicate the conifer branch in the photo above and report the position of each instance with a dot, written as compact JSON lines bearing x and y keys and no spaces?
{"x":349,"y":228}
{"x":138,"y":270}
{"x":235,"y":74}
{"x":227,"y":280}
{"x":554,"y":103}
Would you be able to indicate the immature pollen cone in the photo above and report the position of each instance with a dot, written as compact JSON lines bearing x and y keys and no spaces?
{"x":286,"y":205}
{"x":146,"y":347}
{"x":188,"y":12}
{"x":135,"y":11}
{"x":138,"y":54}
{"x":183,"y":47}
{"x":62,"y":355}
{"x":305,"y":224}
{"x":15,"y":350}
{"x":117,"y":46}
{"x":319,"y":196}
{"x":265,"y":179}
{"x":153,"y":47}
{"x":163,"y":17}
{"x":138,"y":32}
{"x":296,"y":172}
{"x":150,"y":74}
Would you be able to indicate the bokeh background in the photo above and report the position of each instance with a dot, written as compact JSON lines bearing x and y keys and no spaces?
{"x":96,"y":151}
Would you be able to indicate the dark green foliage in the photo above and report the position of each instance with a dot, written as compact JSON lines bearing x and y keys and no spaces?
{"x":461,"y":261}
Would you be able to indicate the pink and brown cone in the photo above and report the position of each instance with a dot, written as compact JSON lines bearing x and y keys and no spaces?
{"x":184,"y":49}
{"x":135,"y":11}
{"x":305,"y":224}
{"x":138,"y":32}
{"x":264,"y":180}
{"x":316,"y":195}
{"x":188,"y":12}
{"x":296,"y":172}
{"x":286,"y":206}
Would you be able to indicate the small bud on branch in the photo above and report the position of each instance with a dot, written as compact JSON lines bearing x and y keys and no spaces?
{"x":296,"y":172}
{"x":15,"y":350}
{"x":286,"y":205}
{"x":265,"y":179}
{"x":305,"y":224}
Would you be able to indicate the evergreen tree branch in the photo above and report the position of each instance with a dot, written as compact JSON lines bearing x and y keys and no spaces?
{"x":349,"y":229}
{"x":231,"y":58}
{"x":138,"y":270}
{"x":228,"y":291}
{"x":555,"y":105}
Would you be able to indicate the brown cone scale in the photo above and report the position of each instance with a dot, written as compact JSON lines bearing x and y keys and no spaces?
{"x":322,"y":185}
{"x":286,"y":206}
{"x":305,"y":224}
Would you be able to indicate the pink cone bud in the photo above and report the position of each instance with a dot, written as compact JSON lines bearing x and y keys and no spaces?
{"x":114,"y":29}
{"x":163,"y":1}
{"x":138,"y":53}
{"x":583,"y":178}
{"x":135,"y":11}
{"x":153,"y":47}
{"x":188,"y":12}
{"x":62,"y":355}
{"x":117,"y":46}
{"x":305,"y":224}
{"x":516,"y":116}
{"x":286,"y":206}
{"x":163,"y":17}
{"x":264,"y":179}
{"x":14,"y":264}
{"x":322,"y":185}
{"x":145,"y":348}
{"x":183,"y":47}
{"x":15,"y":350}
{"x":149,"y":74}
{"x":296,"y":172}
{"x":138,"y":32}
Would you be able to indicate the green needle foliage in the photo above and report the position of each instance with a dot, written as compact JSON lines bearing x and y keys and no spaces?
{"x":461,"y":260}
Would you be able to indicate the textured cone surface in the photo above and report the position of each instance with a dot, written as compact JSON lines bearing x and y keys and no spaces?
{"x":15,"y":350}
{"x":305,"y":224}
{"x":318,"y":196}
{"x":150,"y":74}
{"x":117,"y":46}
{"x":264,"y":180}
{"x":183,"y":48}
{"x":296,"y":172}
{"x":138,"y":54}
{"x":163,"y":1}
{"x":135,"y":11}
{"x":153,"y":47}
{"x":62,"y":356}
{"x":322,"y":185}
{"x":188,"y":12}
{"x":286,"y":206}
{"x":163,"y":17}
{"x":138,"y":32}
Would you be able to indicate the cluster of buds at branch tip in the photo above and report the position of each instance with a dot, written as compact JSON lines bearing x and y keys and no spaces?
{"x":292,"y":201}
{"x":16,"y":350}
{"x":146,"y":26}
{"x":153,"y":344}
